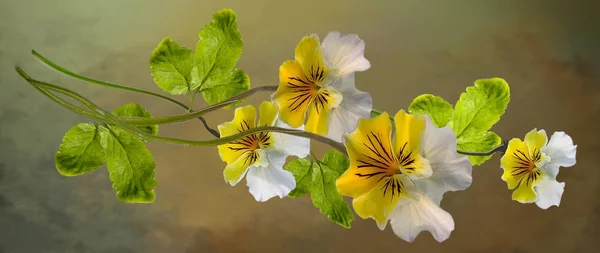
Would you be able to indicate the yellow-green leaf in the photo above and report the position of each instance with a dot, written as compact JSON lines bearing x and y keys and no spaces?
{"x":171,"y":66}
{"x":436,"y":107}
{"x":217,"y":53}
{"x":478,"y":109}
{"x":318,"y":178}
{"x":80,"y":151}
{"x":130,"y":164}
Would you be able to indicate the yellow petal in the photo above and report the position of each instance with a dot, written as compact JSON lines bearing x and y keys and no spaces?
{"x":234,"y":172}
{"x":407,"y":145}
{"x":535,"y":141}
{"x":294,"y":94}
{"x":244,"y":119}
{"x":310,"y":57}
{"x":525,"y":193}
{"x":519,"y":167}
{"x":380,"y":202}
{"x":515,"y":162}
{"x":320,"y":109}
{"x":267,"y":113}
{"x":370,"y":153}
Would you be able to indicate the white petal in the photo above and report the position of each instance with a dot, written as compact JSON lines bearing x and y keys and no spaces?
{"x":267,"y":182}
{"x":345,"y":52}
{"x":451,"y":171}
{"x":561,"y":151}
{"x":290,"y":144}
{"x":408,"y":220}
{"x":355,"y":105}
{"x":549,"y":192}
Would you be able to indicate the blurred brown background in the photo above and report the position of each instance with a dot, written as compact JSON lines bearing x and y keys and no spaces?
{"x":548,"y":51}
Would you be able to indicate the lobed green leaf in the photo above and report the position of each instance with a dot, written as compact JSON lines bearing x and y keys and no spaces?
{"x":319,"y":178}
{"x":130,"y":164}
{"x":80,"y":151}
{"x":478,"y":109}
{"x":171,"y":66}
{"x":436,"y":107}
{"x":302,"y":169}
{"x":217,"y":53}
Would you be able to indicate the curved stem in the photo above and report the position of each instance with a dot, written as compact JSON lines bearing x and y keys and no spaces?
{"x":59,"y":100}
{"x":116,"y":121}
{"x":176,"y":118}
{"x":188,"y":116}
{"x":118,"y":86}
{"x":161,"y":120}
{"x":128,"y":120}
{"x":107,"y":84}
{"x":252,"y":91}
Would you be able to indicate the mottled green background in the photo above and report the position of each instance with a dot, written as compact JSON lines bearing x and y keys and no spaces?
{"x":549,"y":51}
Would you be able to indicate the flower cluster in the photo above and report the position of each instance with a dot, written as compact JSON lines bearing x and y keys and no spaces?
{"x":399,"y":169}
{"x":396,"y":169}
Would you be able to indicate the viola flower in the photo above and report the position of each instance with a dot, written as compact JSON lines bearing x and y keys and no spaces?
{"x":531,"y":167}
{"x":261,"y":155}
{"x":317,"y":88}
{"x":404,"y":179}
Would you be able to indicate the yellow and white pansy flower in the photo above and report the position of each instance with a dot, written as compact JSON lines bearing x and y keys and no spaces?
{"x":260,"y":156}
{"x":530,"y":167}
{"x":317,"y":88}
{"x":403,"y":179}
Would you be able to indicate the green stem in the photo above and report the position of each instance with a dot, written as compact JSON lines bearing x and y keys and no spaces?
{"x":116,"y":121}
{"x":59,"y":100}
{"x":163,"y":120}
{"x":501,"y":147}
{"x":128,"y":120}
{"x":107,"y":84}
{"x":177,"y":118}
{"x":118,"y":86}
{"x":188,"y":116}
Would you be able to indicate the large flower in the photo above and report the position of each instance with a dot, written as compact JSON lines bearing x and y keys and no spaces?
{"x":261,"y":155}
{"x":531,"y":167}
{"x":404,"y":179}
{"x":317,"y":88}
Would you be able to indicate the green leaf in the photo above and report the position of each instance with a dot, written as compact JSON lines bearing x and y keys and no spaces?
{"x":217,"y":53}
{"x":171,"y":66}
{"x":319,"y":178}
{"x":130,"y":164}
{"x":302,"y":169}
{"x":80,"y":151}
{"x":478,"y":109}
{"x":438,"y":109}
{"x":480,"y":143}
{"x":136,"y":111}
{"x":336,"y":161}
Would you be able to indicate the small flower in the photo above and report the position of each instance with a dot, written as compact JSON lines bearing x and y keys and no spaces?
{"x":531,"y":167}
{"x":261,"y":155}
{"x":317,"y":88}
{"x":404,"y":179}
